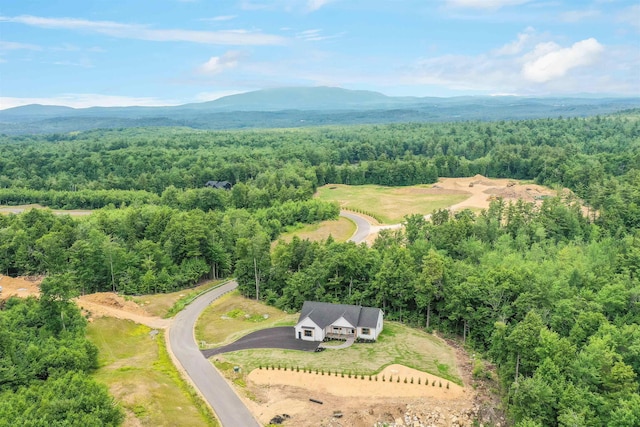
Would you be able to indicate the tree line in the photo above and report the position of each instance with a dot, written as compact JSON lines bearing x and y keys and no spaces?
{"x":45,"y":362}
{"x":549,"y":294}
{"x":596,"y":157}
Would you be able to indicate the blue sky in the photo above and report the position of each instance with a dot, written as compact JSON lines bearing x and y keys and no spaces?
{"x":84,"y":53}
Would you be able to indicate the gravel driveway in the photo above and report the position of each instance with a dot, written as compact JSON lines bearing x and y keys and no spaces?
{"x":280,"y":337}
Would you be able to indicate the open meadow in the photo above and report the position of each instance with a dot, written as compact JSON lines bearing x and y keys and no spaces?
{"x":136,"y":367}
{"x":390,"y":204}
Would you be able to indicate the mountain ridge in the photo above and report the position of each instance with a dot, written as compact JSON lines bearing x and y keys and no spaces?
{"x":304,"y":106}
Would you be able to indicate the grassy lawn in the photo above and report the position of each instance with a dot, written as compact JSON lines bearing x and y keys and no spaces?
{"x":161,"y":304}
{"x":397,"y":344}
{"x":389,"y":204}
{"x":340,"y":229}
{"x":139,"y":373}
{"x":232,"y":316}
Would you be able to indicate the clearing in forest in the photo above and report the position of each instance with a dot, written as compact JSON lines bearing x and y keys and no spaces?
{"x":390,"y":204}
{"x":340,"y":229}
{"x":400,"y":353}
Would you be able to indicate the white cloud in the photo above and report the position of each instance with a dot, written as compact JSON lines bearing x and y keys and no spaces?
{"x":85,"y":100}
{"x":315,"y":35}
{"x":631,"y":16}
{"x":218,"y":64}
{"x":579,"y":15}
{"x":220,"y":18}
{"x":5,"y":45}
{"x":518,"y":45}
{"x":486,"y":4}
{"x":530,"y":65}
{"x":140,"y":32}
{"x":549,"y":61}
{"x":314,"y":5}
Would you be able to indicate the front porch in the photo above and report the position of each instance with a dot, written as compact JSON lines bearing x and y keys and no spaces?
{"x":343,"y":334}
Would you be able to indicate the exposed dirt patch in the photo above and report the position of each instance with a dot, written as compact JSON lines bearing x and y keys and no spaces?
{"x":362,"y":402}
{"x":113,"y":305}
{"x":20,"y":286}
{"x":356,"y":401}
{"x":483,"y":190}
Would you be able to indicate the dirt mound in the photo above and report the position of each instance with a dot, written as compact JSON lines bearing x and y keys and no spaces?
{"x":20,"y":286}
{"x":113,"y":305}
{"x":299,"y":394}
{"x":109,"y":299}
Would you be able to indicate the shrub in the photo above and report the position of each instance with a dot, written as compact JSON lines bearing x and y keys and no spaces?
{"x":376,"y":378}
{"x":480,"y":370}
{"x":398,"y":379}
{"x":342,"y":374}
{"x":411,"y":380}
{"x":383,"y":378}
{"x":447,"y":386}
{"x":418,"y":381}
{"x":405,"y":380}
{"x":278,"y":366}
{"x":361,"y":376}
{"x":433,"y":383}
{"x":323,"y":372}
{"x":440,"y":384}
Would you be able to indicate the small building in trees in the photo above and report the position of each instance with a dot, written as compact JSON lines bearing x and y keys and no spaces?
{"x":320,"y":320}
{"x":221,"y":185}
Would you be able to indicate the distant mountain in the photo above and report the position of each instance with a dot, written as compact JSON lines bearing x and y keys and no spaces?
{"x":304,"y":106}
{"x":304,"y":98}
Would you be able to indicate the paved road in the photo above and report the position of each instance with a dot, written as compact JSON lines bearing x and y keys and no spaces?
{"x":225,"y":402}
{"x":278,"y":337}
{"x":363,"y":228}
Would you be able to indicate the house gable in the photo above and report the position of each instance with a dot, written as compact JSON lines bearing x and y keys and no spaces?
{"x":341,"y":319}
{"x":222,"y":185}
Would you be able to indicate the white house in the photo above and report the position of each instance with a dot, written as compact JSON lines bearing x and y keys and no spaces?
{"x":320,"y":320}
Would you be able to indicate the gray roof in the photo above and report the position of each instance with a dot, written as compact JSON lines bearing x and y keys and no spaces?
{"x":324,"y":314}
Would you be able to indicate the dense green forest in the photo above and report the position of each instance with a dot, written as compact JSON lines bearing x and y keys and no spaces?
{"x":45,"y":361}
{"x":550,"y":295}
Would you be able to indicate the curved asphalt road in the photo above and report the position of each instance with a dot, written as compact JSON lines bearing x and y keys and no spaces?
{"x":363,"y":228}
{"x":221,"y":397}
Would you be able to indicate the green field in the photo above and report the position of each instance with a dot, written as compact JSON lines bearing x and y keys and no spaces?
{"x":140,"y":375}
{"x":388,"y":204}
{"x":225,"y":321}
{"x":341,"y":230}
{"x":233,"y":316}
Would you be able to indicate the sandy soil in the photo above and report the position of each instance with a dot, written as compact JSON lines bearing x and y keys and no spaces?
{"x":95,"y":305}
{"x":483,"y":190}
{"x":19,"y":286}
{"x":113,"y":305}
{"x":279,"y":392}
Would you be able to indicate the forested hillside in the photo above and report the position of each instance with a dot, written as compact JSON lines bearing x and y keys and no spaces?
{"x":550,"y":295}
{"x":45,"y":360}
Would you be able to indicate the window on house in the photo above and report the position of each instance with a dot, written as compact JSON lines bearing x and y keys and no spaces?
{"x":366,"y":331}
{"x":308,"y":333}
